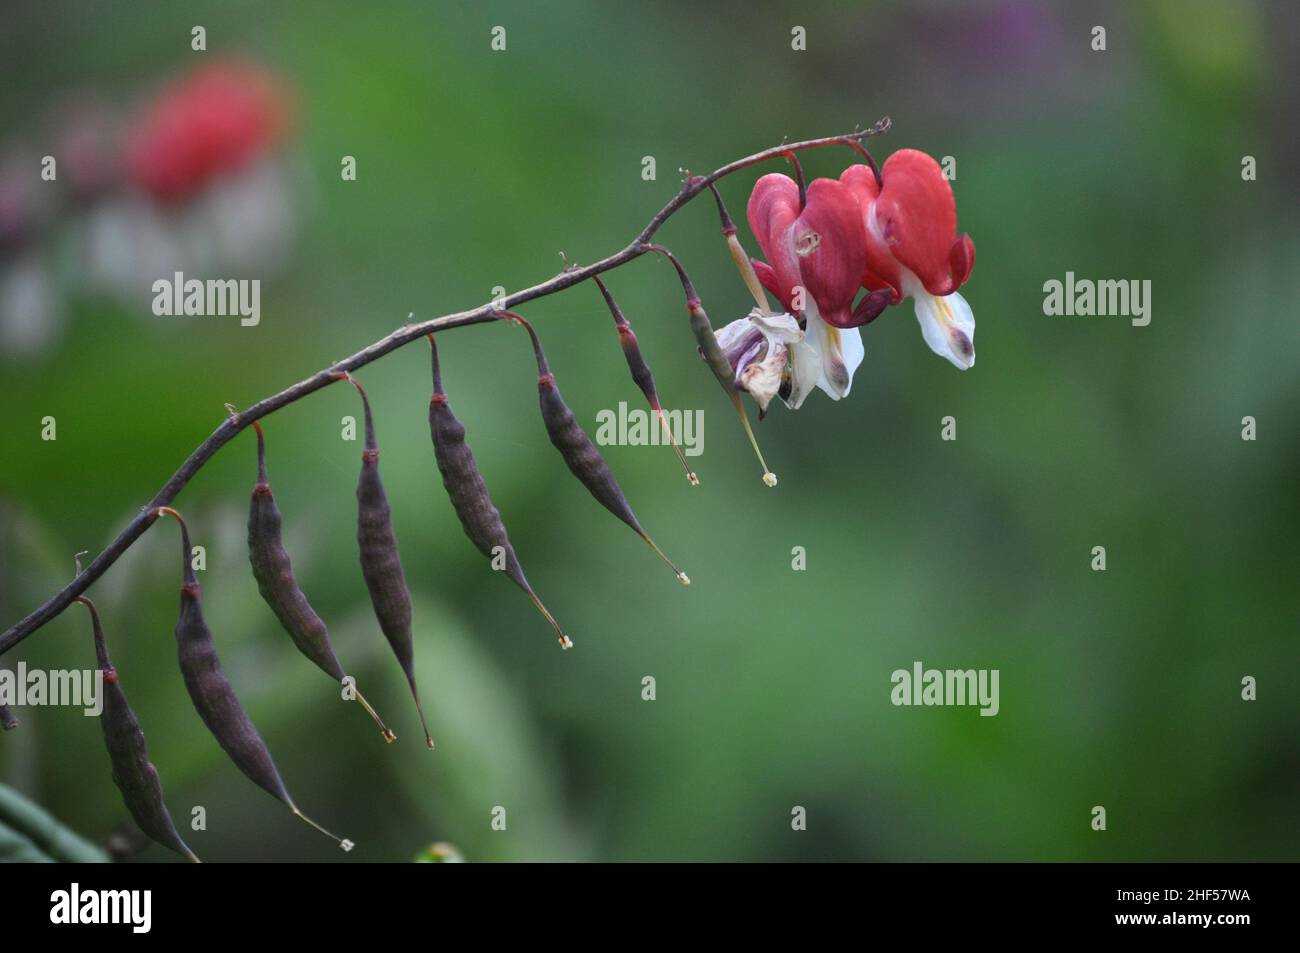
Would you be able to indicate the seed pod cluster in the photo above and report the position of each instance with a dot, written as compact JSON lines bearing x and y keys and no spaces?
{"x":275,"y":580}
{"x":213,"y":696}
{"x":640,"y":370}
{"x":135,"y":776}
{"x":469,"y":494}
{"x":381,"y":564}
{"x":581,"y":455}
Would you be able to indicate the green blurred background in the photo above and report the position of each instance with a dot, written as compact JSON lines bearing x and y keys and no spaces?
{"x":478,"y":168}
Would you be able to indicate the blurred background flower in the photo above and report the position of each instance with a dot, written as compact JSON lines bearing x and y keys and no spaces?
{"x":196,"y":177}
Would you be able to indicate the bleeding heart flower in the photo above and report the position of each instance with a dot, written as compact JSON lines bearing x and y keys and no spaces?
{"x":913,"y":249}
{"x":816,"y":257}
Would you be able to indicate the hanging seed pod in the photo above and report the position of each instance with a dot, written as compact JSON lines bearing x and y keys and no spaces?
{"x":713,"y":356}
{"x":7,"y":720}
{"x":214,"y":698}
{"x":584,"y":460}
{"x":275,"y":580}
{"x":469,"y":494}
{"x":641,"y":372}
{"x":738,"y":254}
{"x":381,"y":564}
{"x":133,"y":773}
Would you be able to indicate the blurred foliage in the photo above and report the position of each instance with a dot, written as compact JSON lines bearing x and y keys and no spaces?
{"x":477,"y":169}
{"x":29,"y":835}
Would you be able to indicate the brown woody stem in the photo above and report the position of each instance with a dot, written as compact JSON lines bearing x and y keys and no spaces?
{"x":404,"y":335}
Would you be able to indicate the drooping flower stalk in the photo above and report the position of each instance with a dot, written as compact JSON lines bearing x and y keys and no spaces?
{"x":798,"y":177}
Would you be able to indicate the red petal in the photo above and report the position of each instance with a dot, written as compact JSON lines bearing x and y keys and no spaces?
{"x":881,"y":268}
{"x":830,"y":243}
{"x":768,"y":279}
{"x":962,"y":260}
{"x":772,"y":209}
{"x":917,"y":217}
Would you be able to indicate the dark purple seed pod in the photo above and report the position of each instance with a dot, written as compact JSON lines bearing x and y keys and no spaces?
{"x":213,"y":696}
{"x":581,"y":455}
{"x":381,"y":564}
{"x":469,"y":494}
{"x":275,"y":580}
{"x":133,"y":773}
{"x":640,"y":370}
{"x":7,"y":720}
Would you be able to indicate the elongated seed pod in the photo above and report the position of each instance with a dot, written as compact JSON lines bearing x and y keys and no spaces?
{"x":640,"y":371}
{"x":469,"y":494}
{"x":713,"y":356}
{"x":133,"y":773}
{"x":381,"y":564}
{"x":581,"y":455}
{"x":7,"y":720}
{"x":275,"y":580}
{"x":213,"y":696}
{"x":739,"y":255}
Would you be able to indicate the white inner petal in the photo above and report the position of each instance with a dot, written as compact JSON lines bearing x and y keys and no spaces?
{"x":841,"y":353}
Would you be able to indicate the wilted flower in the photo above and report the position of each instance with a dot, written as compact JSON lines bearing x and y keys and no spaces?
{"x":913,"y":249}
{"x":759,"y":347}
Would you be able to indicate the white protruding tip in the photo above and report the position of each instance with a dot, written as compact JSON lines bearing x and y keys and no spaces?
{"x":346,"y":844}
{"x":693,"y":479}
{"x":685,"y":579}
{"x":566,"y":642}
{"x":769,"y":478}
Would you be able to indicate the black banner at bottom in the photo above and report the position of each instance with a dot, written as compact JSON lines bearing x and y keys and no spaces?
{"x":337,"y":902}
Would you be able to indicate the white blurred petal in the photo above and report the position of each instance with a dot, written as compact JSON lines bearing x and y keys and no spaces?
{"x":31,"y":314}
